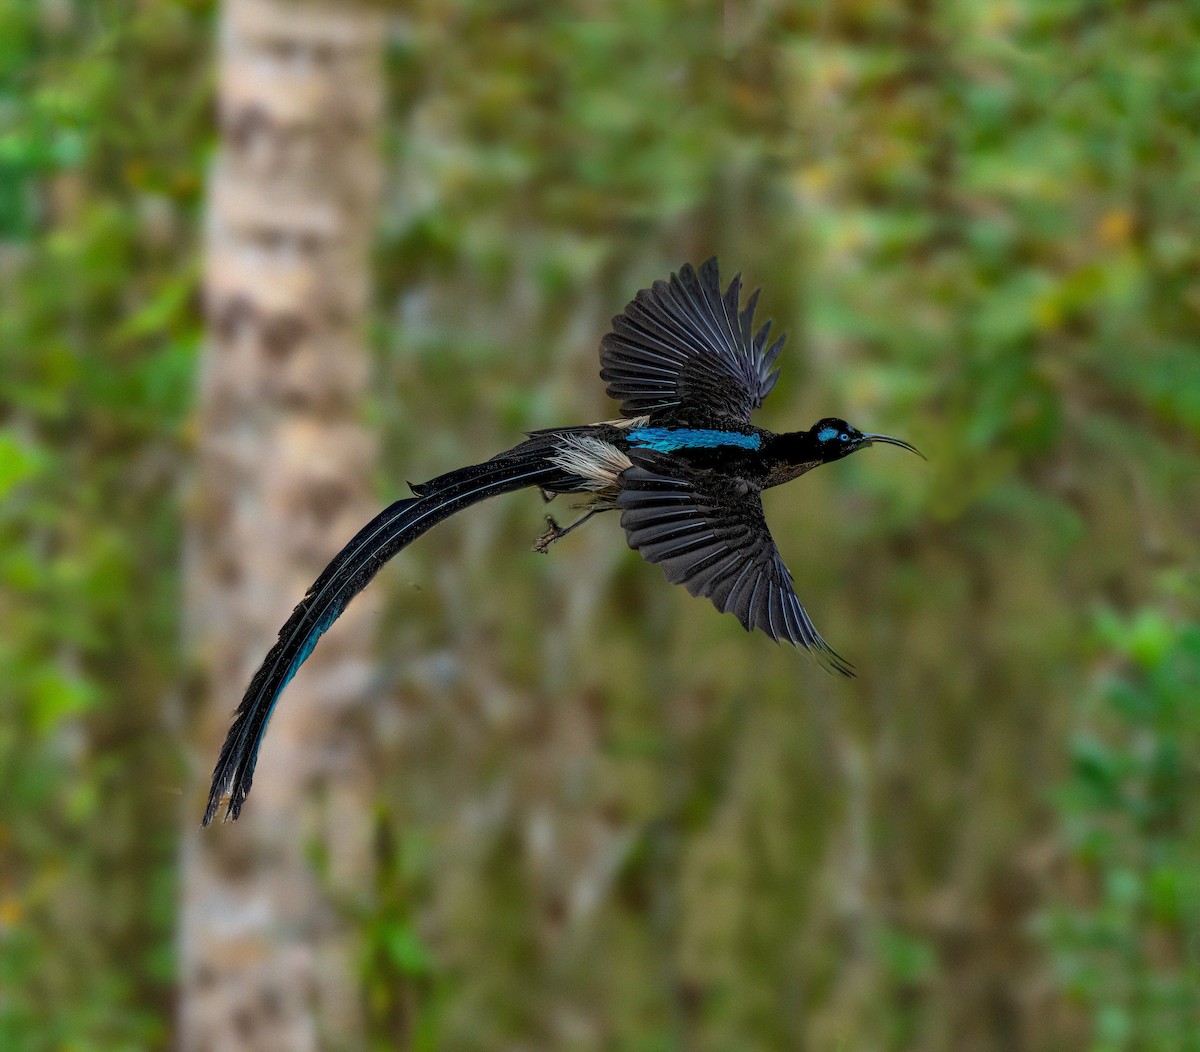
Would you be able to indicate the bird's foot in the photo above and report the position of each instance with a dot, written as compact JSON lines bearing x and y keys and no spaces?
{"x":542,"y":544}
{"x":556,"y":531}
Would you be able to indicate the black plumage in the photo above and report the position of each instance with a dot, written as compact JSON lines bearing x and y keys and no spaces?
{"x":710,"y":535}
{"x":684,"y":467}
{"x":682,"y":352}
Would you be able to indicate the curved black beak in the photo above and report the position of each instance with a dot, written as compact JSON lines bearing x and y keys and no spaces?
{"x":887,"y":440}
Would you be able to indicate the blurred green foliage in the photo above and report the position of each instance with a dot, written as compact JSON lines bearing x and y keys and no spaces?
{"x":103,"y":131}
{"x":1130,"y":949}
{"x":977,"y":219}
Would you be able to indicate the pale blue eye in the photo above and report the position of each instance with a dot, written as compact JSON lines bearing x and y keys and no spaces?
{"x":844,"y":437}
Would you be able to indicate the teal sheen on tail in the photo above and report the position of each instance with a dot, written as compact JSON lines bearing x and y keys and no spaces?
{"x":349,"y":572}
{"x":684,"y":467}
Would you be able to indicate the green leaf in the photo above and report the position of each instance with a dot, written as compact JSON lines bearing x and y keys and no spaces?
{"x":59,"y":695}
{"x":406,"y":950}
{"x":19,"y":461}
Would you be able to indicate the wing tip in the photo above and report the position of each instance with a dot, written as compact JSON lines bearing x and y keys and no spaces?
{"x":830,"y":660}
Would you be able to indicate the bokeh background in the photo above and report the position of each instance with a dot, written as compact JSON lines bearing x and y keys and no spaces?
{"x":559,"y":804}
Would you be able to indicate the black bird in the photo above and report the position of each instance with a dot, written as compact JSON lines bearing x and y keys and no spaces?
{"x":684,"y":466}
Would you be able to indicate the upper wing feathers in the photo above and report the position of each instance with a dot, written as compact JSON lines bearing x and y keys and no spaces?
{"x":683,"y":346}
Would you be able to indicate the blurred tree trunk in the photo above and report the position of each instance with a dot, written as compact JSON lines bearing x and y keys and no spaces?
{"x":284,"y":466}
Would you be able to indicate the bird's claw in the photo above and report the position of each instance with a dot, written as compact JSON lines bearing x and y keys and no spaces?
{"x":542,"y":544}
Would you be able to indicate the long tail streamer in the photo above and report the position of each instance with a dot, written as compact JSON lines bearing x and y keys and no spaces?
{"x":348,"y":573}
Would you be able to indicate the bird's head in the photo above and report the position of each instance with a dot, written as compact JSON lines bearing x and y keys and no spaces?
{"x":833,"y":439}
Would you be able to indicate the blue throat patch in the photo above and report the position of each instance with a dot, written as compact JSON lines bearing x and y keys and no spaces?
{"x":666,"y":439}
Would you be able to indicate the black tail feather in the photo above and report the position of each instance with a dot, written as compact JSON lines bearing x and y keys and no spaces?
{"x":345,"y":576}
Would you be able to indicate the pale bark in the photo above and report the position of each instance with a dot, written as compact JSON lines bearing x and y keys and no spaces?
{"x":284,"y":465}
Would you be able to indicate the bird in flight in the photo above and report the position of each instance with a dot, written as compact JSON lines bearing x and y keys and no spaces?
{"x":683,"y":466}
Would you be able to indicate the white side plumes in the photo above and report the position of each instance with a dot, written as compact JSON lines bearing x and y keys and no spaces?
{"x":595,"y":461}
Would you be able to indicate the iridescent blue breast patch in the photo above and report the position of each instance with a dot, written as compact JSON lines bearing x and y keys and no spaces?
{"x":667,"y":439}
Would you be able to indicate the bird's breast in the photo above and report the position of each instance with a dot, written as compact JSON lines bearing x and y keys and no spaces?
{"x":781,"y":472}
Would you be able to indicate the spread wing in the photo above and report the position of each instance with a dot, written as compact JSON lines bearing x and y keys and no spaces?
{"x":682,"y":347}
{"x":710,"y":535}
